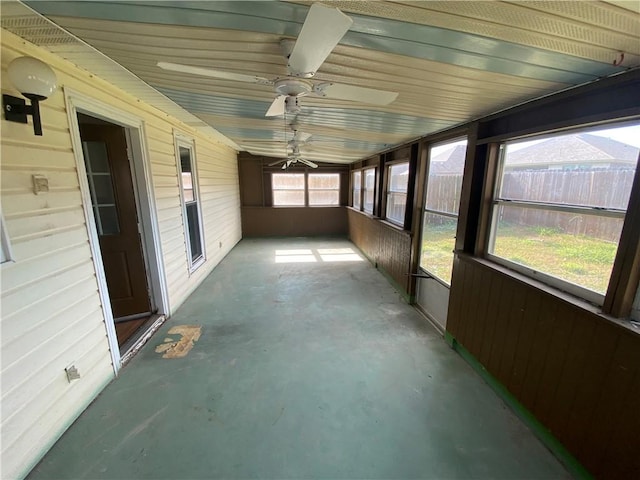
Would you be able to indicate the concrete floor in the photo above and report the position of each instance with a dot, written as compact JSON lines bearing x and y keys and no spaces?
{"x":302,"y":370}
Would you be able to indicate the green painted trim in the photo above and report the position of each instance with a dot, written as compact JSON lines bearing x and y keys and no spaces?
{"x":395,"y":284}
{"x":539,"y":430}
{"x":449,"y":339}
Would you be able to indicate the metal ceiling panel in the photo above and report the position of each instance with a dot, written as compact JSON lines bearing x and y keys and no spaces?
{"x":451,"y":62}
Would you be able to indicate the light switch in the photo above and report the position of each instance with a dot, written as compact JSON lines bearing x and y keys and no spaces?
{"x":40,"y":184}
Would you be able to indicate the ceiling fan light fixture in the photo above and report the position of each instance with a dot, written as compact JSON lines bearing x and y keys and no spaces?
{"x":293,"y":87}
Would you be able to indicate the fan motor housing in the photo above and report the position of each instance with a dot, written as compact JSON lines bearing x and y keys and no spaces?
{"x":292,"y":105}
{"x":293,"y":87}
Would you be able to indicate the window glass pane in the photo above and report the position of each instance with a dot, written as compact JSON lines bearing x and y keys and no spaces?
{"x":188,"y":179}
{"x":573,"y":169}
{"x":288,"y":197}
{"x":446,"y":166}
{"x":368,"y":201}
{"x":324,"y":181}
{"x":324,"y":197}
{"x":574,"y":247}
{"x":356,"y":190}
{"x":289,"y":181}
{"x":187,"y":175}
{"x":369,"y":189}
{"x":398,"y":177}
{"x":4,"y":238}
{"x":108,"y":220}
{"x":592,"y":168}
{"x":438,"y":242}
{"x":103,"y":189}
{"x":187,"y":187}
{"x":324,"y":189}
{"x":185,"y":159}
{"x":96,"y":156}
{"x":194,"y":231}
{"x":396,"y":192}
{"x":396,"y":204}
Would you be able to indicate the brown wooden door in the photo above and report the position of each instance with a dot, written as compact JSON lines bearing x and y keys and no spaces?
{"x":114,"y":208}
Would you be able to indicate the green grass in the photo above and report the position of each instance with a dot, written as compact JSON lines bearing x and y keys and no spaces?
{"x":579,"y":259}
{"x":437,"y":252}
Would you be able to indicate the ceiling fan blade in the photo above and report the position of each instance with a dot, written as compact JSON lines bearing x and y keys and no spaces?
{"x":209,"y":72}
{"x":322,"y":30}
{"x":287,"y":164}
{"x":277,"y":107}
{"x":308,"y":162}
{"x":355,"y":94}
{"x":276,"y":163}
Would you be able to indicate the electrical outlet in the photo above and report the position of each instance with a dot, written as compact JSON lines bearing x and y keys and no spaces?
{"x":40,"y":184}
{"x":72,"y":373}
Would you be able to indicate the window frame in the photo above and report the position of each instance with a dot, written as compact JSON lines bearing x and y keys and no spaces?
{"x":306,"y":189}
{"x":494,"y":203}
{"x":388,"y":191}
{"x":303,"y":190}
{"x":364,"y":189}
{"x":182,"y":141}
{"x":425,"y":210}
{"x":5,"y":243}
{"x":359,"y":189}
{"x":309,"y":189}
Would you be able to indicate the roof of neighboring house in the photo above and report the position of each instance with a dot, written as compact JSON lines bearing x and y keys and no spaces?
{"x":449,"y":161}
{"x":572,"y":149}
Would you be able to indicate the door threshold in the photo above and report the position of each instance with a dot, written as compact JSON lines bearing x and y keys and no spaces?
{"x":134,"y":344}
{"x":129,"y":318}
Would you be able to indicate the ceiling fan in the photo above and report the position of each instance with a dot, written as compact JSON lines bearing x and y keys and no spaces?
{"x":294,"y":157}
{"x":323,"y":28}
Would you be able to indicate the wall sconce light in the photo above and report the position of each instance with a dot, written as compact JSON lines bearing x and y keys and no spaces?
{"x":36,"y":81}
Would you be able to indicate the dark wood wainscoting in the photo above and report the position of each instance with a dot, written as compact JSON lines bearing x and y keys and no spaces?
{"x":293,"y":221}
{"x":387,"y":246}
{"x":577,"y":372}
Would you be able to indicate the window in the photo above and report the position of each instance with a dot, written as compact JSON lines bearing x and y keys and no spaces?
{"x":398,"y":176}
{"x":369,"y":189}
{"x":440,"y":216}
{"x":288,"y":189}
{"x":5,"y":247}
{"x":559,"y":206}
{"x":101,"y":188}
{"x":357,"y":189}
{"x":323,"y":189}
{"x":191,"y":205}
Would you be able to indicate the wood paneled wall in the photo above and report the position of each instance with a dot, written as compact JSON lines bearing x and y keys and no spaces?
{"x":388,"y":247}
{"x":261,"y":219}
{"x":576,"y":371}
{"x":294,"y":221}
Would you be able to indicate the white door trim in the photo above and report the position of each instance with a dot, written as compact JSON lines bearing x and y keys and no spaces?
{"x":77,"y":102}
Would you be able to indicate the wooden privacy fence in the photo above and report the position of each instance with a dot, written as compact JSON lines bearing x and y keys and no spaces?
{"x":595,"y":187}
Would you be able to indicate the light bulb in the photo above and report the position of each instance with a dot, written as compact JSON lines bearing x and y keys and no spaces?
{"x":33,"y":78}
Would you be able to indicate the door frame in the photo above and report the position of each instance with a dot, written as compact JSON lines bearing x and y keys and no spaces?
{"x":134,"y":126}
{"x":428,"y":286}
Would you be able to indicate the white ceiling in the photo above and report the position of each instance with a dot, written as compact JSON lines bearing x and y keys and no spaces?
{"x":451,"y":62}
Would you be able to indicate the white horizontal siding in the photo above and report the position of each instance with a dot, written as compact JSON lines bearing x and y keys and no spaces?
{"x":51,"y":310}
